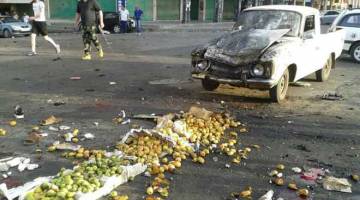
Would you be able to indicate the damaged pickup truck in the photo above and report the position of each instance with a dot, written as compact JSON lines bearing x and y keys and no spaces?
{"x":269,"y":47}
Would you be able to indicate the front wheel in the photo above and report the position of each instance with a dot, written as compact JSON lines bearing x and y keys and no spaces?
{"x":355,"y":52}
{"x":324,"y":73}
{"x":7,"y":33}
{"x":279,"y":91}
{"x":209,"y":85}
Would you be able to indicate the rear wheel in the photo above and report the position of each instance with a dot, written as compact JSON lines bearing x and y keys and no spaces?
{"x":209,"y":85}
{"x":279,"y":91}
{"x":355,"y":52}
{"x":324,"y":73}
{"x":7,"y":33}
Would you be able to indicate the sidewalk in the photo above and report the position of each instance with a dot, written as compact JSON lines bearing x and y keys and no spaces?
{"x":63,"y":26}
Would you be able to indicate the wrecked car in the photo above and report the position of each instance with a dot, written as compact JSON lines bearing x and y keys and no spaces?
{"x":269,"y":47}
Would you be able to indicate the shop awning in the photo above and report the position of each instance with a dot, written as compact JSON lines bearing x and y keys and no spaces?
{"x":15,"y":1}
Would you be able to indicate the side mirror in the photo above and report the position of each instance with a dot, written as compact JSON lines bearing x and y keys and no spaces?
{"x":309,"y":35}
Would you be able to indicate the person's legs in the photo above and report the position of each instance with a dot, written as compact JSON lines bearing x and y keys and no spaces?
{"x":125,"y":26}
{"x":137,"y":25}
{"x":43,"y":30}
{"x":96,"y":42}
{"x":87,"y":42}
{"x":33,"y":43}
{"x":34,"y":32}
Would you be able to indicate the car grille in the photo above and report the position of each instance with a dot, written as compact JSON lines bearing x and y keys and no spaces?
{"x":222,"y":70}
{"x":24,"y":26}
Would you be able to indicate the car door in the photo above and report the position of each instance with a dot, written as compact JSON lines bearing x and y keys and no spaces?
{"x":309,"y":51}
{"x":351,"y":24}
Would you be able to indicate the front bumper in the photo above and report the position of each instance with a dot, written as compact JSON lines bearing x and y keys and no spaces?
{"x":252,"y":83}
{"x":19,"y":33}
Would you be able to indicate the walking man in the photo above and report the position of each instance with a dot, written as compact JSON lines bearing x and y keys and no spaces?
{"x":39,"y":27}
{"x":87,"y":11}
{"x":124,"y":16}
{"x":137,"y":15}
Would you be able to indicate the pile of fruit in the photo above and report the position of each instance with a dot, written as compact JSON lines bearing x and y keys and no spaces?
{"x":191,"y":135}
{"x":84,"y":178}
{"x":204,"y":134}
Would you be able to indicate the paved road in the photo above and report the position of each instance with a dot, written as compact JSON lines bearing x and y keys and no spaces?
{"x":304,"y":131}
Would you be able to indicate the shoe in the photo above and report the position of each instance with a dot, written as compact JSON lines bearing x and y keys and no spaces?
{"x":86,"y":56}
{"x":101,"y":53}
{"x":31,"y":54}
{"x":57,"y":48}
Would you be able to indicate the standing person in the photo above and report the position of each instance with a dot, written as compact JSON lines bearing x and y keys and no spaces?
{"x":137,"y":15}
{"x":124,"y":16}
{"x":26,"y":18}
{"x":39,"y":27}
{"x":87,"y":11}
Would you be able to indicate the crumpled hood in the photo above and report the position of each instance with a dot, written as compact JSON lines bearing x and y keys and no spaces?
{"x":242,"y":46}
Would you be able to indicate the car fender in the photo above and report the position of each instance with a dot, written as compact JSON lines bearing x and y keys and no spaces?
{"x":281,"y":55}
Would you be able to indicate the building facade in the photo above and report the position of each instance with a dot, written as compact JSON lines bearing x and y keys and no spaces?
{"x":179,"y":10}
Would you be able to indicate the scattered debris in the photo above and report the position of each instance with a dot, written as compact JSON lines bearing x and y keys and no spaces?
{"x":332,"y":97}
{"x":75,"y":78}
{"x":273,"y":173}
{"x":296,"y":170}
{"x":312,"y":174}
{"x":89,"y":136}
{"x":302,"y":147}
{"x":2,"y":132}
{"x":50,"y":120}
{"x":279,"y":181}
{"x":33,"y":137}
{"x":112,"y":83}
{"x":355,"y":177}
{"x":59,"y":103}
{"x":64,"y":128}
{"x":21,"y":162}
{"x":301,"y":84}
{"x":303,"y":193}
{"x":63,"y":146}
{"x":51,"y":128}
{"x":280,"y":167}
{"x":292,"y":186}
{"x":18,"y":113}
{"x":12,"y":123}
{"x":337,"y":184}
{"x":268,"y":196}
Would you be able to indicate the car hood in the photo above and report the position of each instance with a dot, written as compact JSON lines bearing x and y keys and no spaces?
{"x":19,"y":24}
{"x":242,"y":46}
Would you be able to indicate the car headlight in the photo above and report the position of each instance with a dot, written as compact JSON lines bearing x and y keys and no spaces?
{"x":202,"y":64}
{"x":258,"y":70}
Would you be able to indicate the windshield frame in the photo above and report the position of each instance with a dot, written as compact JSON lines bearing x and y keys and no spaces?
{"x":292,"y":11}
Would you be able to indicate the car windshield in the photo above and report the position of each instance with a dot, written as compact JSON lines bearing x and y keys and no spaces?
{"x":10,"y":20}
{"x":270,"y":20}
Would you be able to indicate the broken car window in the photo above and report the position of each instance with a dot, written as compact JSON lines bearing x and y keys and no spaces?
{"x":270,"y":20}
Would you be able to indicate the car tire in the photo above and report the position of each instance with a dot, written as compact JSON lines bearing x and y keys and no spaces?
{"x":323,"y":74}
{"x":116,"y":29}
{"x":209,"y":85}
{"x":7,"y":34}
{"x":279,"y":91}
{"x":355,"y":52}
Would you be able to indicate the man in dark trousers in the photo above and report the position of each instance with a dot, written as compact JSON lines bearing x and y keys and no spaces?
{"x":137,"y":15}
{"x":86,"y":11}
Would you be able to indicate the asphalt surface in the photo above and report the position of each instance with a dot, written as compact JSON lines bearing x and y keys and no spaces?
{"x":305,"y":131}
